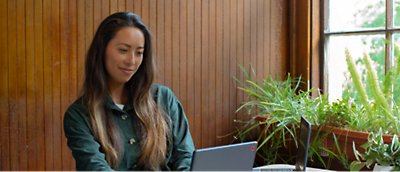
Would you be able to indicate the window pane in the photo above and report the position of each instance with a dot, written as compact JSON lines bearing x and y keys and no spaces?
{"x":337,"y":72}
{"x":396,"y":40}
{"x":345,"y":15}
{"x":397,"y":13}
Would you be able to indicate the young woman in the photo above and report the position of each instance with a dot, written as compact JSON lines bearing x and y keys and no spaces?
{"x":123,"y":121}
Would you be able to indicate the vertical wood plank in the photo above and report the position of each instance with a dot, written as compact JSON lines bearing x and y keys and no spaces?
{"x":232,"y":64}
{"x":225,"y":67}
{"x":190,"y":72}
{"x":183,"y":57}
{"x":56,"y":89}
{"x":246,"y":42}
{"x":260,"y":36}
{"x":168,"y":44}
{"x":175,"y":34}
{"x":267,"y":38}
{"x":145,"y":12}
{"x":21,"y":87}
{"x":48,"y":87}
{"x":65,"y":46}
{"x":71,"y":85}
{"x":13,"y":84}
{"x":67,"y":35}
{"x":89,"y":32}
{"x":39,"y":86}
{"x":137,"y":7}
{"x":284,"y":39}
{"x":205,"y":117}
{"x":129,"y":5}
{"x":160,"y":41}
{"x":212,"y":74}
{"x":220,"y":130}
{"x":105,"y":10}
{"x":121,"y":5}
{"x":197,"y":72}
{"x":114,"y":6}
{"x":279,"y":28}
{"x":30,"y":87}
{"x":73,"y":54}
{"x":80,"y":44}
{"x":4,"y":89}
{"x":97,"y":15}
{"x":153,"y":21}
{"x":253,"y":34}
{"x":247,"y":31}
{"x":316,"y":80}
{"x":240,"y":57}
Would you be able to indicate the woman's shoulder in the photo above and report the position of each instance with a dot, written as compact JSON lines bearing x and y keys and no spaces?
{"x":163,"y":94}
{"x":77,"y":109}
{"x":161,"y":89}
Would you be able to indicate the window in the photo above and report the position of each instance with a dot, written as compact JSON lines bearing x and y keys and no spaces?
{"x":370,"y":27}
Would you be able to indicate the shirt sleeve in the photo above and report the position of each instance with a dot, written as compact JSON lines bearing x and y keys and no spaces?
{"x":84,"y":147}
{"x":183,"y":147}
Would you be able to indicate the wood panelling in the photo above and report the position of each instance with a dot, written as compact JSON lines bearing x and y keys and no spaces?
{"x":199,"y":45}
{"x":300,"y":34}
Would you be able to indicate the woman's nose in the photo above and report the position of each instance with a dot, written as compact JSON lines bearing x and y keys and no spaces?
{"x":132,"y":59}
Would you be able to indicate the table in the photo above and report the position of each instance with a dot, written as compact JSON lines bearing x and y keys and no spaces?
{"x":280,"y":166}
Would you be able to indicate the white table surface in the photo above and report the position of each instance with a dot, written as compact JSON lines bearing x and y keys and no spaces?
{"x":289,"y":166}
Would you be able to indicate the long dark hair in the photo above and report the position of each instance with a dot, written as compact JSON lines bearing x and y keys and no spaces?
{"x":153,"y":121}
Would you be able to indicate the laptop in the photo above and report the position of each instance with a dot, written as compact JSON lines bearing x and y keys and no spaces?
{"x":302,"y":151}
{"x":233,"y":157}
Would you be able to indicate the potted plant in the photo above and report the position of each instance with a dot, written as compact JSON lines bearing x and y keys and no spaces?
{"x":276,"y":107}
{"x":384,"y":156}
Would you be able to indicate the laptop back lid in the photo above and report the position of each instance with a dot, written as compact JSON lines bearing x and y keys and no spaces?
{"x":234,"y":157}
{"x":303,"y":142}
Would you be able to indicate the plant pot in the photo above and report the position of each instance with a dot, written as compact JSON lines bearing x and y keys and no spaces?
{"x":345,"y":138}
{"x":383,"y":168}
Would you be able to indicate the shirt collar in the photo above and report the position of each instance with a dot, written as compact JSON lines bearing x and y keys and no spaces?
{"x":111,"y":105}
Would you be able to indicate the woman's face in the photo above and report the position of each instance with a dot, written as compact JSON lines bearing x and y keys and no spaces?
{"x":124,"y":54}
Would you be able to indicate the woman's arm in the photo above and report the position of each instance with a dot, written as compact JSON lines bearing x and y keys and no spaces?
{"x":182,"y":146}
{"x":80,"y":139}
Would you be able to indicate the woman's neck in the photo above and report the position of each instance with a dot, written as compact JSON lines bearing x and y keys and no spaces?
{"x":118,"y":93}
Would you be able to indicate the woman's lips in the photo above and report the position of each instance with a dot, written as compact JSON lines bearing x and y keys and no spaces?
{"x":127,"y":71}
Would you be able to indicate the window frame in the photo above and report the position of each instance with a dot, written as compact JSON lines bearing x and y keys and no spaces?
{"x":325,"y":34}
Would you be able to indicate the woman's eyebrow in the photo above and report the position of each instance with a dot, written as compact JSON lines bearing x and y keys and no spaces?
{"x":129,"y":46}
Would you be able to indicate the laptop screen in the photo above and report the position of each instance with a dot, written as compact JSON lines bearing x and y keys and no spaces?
{"x":234,"y":157}
{"x":303,"y":142}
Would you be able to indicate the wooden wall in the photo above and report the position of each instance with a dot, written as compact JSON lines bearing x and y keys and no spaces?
{"x":199,"y":45}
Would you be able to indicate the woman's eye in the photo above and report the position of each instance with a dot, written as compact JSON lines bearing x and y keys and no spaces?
{"x":123,"y":50}
{"x":140,"y":53}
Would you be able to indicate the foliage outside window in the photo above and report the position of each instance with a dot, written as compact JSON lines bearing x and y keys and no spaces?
{"x":364,"y":27}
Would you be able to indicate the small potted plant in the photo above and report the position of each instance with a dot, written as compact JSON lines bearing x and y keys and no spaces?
{"x":385,"y":157}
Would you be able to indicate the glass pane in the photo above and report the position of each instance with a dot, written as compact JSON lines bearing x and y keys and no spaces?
{"x":396,"y":40}
{"x":345,"y":15}
{"x":396,"y":53}
{"x":339,"y":81}
{"x":396,"y":13}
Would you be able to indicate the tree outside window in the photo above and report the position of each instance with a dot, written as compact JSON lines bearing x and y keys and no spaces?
{"x":363,"y":27}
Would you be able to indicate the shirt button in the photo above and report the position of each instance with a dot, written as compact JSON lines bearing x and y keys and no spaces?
{"x":132,"y":141}
{"x":124,"y":116}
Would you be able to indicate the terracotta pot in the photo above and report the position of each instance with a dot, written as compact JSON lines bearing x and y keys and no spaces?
{"x":345,"y":139}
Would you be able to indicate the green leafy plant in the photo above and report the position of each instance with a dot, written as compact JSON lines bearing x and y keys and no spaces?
{"x":377,"y":151}
{"x":275,"y":107}
{"x":280,"y":104}
{"x":380,"y":108}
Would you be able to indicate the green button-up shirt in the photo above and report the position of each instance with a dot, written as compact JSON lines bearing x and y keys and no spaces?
{"x":88,"y":153}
